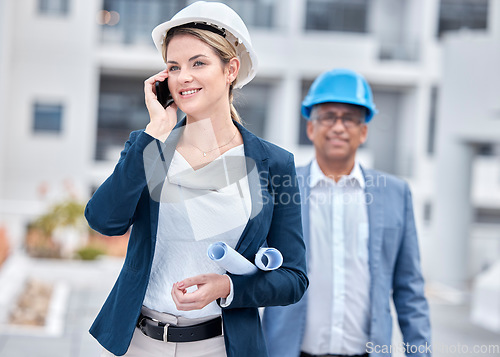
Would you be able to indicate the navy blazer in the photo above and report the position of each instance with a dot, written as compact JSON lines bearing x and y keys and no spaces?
{"x":130,"y":197}
{"x":394,"y":263}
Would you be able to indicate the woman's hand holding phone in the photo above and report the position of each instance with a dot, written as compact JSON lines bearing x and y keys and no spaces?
{"x":162,"y":120}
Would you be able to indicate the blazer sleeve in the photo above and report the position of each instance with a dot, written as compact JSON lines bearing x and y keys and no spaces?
{"x":287,"y":284}
{"x":408,"y":287}
{"x":111,"y":209}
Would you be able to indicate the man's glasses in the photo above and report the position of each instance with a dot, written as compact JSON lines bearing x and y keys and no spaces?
{"x":329,"y":120}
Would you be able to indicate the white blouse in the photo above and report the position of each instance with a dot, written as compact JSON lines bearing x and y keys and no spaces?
{"x":197,"y":208}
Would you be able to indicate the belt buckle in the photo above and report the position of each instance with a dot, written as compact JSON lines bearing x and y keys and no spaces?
{"x":165,"y":332}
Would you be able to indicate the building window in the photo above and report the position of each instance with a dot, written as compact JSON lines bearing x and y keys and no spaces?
{"x":252,"y":103}
{"x":388,"y":24}
{"x":488,"y":149}
{"x":303,"y":139}
{"x":47,"y":118}
{"x":53,"y":7}
{"x":131,"y":21}
{"x":256,"y":13}
{"x":337,"y":15}
{"x":121,"y":110}
{"x":462,"y":14}
{"x":427,"y":212}
{"x":487,"y":215}
{"x":431,"y":136}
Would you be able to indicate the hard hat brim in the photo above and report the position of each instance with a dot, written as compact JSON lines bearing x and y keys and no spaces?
{"x":307,"y":106}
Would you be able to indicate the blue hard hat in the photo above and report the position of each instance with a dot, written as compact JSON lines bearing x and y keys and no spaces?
{"x":340,"y":86}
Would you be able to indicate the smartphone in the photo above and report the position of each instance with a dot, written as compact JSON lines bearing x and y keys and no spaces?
{"x":163,"y":93}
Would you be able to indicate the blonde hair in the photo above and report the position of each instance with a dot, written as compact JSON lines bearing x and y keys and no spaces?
{"x":219,"y":44}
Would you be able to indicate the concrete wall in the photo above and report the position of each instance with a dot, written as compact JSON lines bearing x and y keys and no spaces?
{"x":5,"y":56}
{"x":469,"y":113}
{"x":62,"y":71}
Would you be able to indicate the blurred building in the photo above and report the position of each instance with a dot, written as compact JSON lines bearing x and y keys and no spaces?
{"x":71,"y":81}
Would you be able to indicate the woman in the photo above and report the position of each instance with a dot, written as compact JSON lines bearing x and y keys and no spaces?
{"x":186,"y":185}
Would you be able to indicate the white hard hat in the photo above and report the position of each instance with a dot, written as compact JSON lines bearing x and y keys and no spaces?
{"x":226,"y":21}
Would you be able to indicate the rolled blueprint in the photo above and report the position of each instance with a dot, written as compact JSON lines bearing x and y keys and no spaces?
{"x":268,"y":259}
{"x":230,"y":260}
{"x":233,"y":262}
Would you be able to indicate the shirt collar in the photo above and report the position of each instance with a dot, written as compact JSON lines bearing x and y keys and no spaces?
{"x":318,"y":176}
{"x":357,"y":174}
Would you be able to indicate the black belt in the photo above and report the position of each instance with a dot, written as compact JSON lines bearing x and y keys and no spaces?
{"x":304,"y":354}
{"x":165,"y":332}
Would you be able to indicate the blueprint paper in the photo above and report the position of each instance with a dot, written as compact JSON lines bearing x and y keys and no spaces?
{"x":230,"y":260}
{"x":233,"y":262}
{"x":268,"y":259}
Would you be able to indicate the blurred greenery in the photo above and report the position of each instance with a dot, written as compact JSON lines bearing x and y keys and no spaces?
{"x":68,"y":213}
{"x":41,"y":238}
{"x":90,"y":252}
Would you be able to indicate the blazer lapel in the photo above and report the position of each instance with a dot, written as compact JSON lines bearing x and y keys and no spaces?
{"x":375,"y":207}
{"x":303,"y":177}
{"x":257,"y":170}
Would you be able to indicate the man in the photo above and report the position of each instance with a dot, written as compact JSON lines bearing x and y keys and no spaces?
{"x":361,"y":239}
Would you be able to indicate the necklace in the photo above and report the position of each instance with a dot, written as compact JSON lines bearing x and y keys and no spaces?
{"x":218,"y":147}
